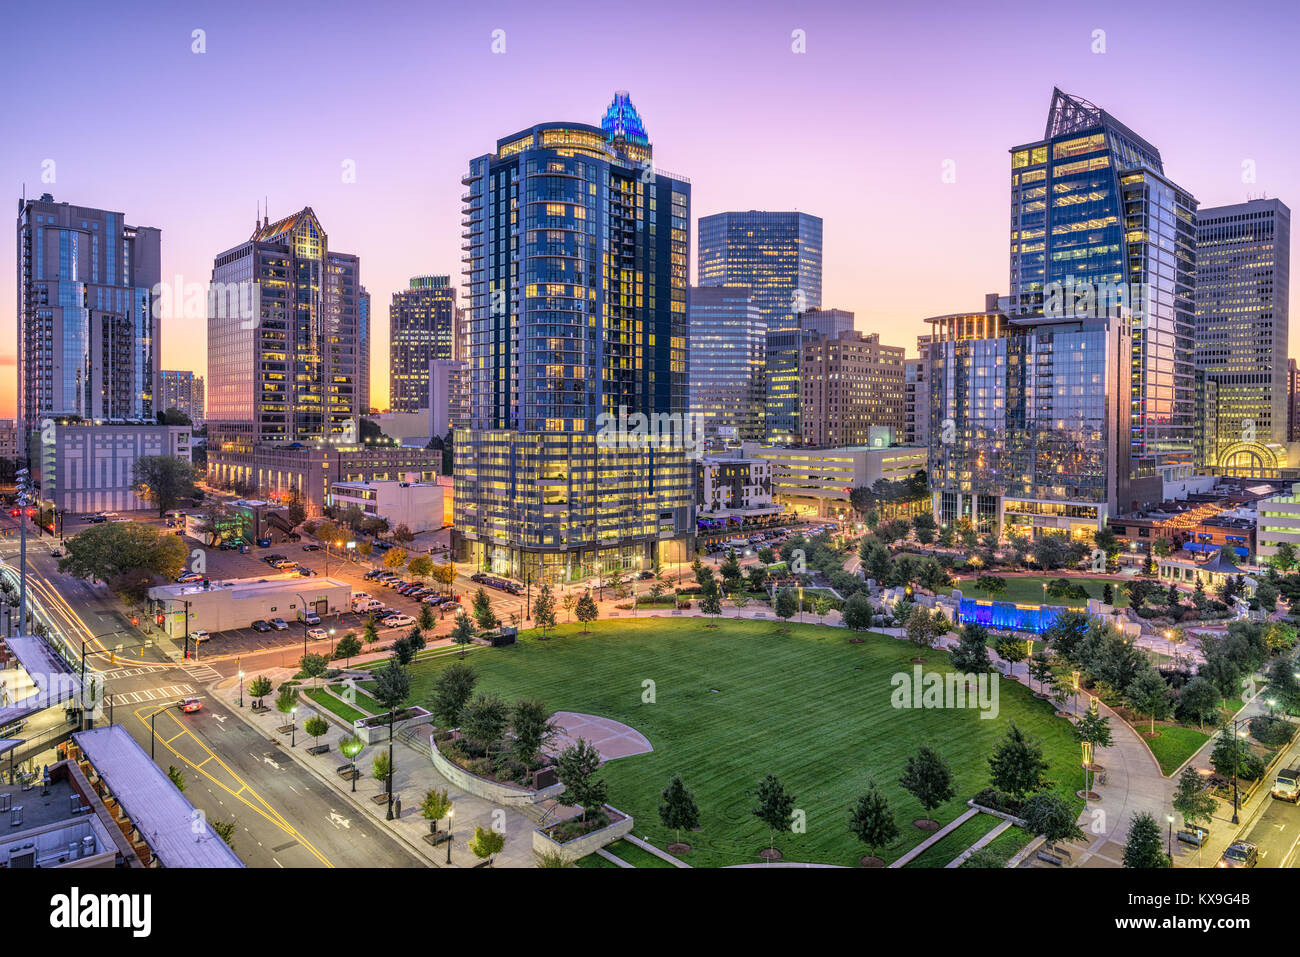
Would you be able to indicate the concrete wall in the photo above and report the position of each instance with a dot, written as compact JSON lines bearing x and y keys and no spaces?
{"x":587,"y":844}
{"x":506,"y":795}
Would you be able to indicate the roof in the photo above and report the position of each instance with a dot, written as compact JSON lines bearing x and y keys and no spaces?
{"x":157,"y":807}
{"x":247,"y":587}
{"x":54,"y":679}
{"x":1220,"y":565}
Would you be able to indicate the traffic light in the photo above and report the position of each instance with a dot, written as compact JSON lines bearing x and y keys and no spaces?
{"x":135,"y":621}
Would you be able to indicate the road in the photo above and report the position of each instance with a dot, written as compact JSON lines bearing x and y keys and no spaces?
{"x":1276,"y":833}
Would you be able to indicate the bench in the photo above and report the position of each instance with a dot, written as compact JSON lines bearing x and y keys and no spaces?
{"x":1047,"y":858}
{"x":318,"y":749}
{"x":1195,"y":837}
{"x":442,"y":837}
{"x":343,"y":770}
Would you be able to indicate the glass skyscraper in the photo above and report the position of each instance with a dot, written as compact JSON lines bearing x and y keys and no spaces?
{"x":1243,"y":272}
{"x":778,"y":255}
{"x":422,"y":322}
{"x":728,"y":338}
{"x":576,"y":250}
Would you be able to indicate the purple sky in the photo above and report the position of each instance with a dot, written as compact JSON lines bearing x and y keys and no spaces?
{"x":855,"y":130}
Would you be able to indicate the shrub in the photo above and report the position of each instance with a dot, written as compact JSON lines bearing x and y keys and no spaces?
{"x":998,"y":801}
{"x":1270,"y":732}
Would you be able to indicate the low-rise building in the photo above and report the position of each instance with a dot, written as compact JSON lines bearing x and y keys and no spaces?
{"x":733,"y":489}
{"x":222,"y":605}
{"x":88,"y":467}
{"x":420,"y":506}
{"x":818,"y":482}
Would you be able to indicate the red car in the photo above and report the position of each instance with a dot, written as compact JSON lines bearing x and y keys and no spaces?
{"x":190,"y":705}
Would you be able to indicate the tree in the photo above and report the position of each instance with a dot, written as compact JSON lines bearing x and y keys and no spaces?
{"x":426,"y":620}
{"x":371,"y":632}
{"x":420,"y":567}
{"x":991,"y":585}
{"x":1144,"y":847}
{"x":435,"y":806}
{"x":576,"y":768}
{"x":486,"y":843}
{"x":1012,"y":650}
{"x":1149,"y":694}
{"x":871,"y":820}
{"x":163,"y":480}
{"x":924,"y":525}
{"x":484,"y":720}
{"x":392,"y":685}
{"x":226,"y":831}
{"x":544,"y":608}
{"x":463,"y":632}
{"x":1040,"y":669}
{"x":350,"y":745}
{"x":923,"y":628}
{"x":452,"y":689}
{"x":774,"y":807}
{"x":124,"y":554}
{"x":348,"y":646}
{"x":1198,"y":701}
{"x":403,"y":534}
{"x":711,"y":600}
{"x":312,"y":666}
{"x":927,"y":778}
{"x":678,"y":809}
{"x":315,"y":726}
{"x":403,"y":651}
{"x":1017,"y":765}
{"x":381,"y":769}
{"x":1284,"y":557}
{"x":586,"y":610}
{"x":177,"y":776}
{"x":395,"y":559}
{"x":971,"y":655}
{"x":534,"y":728}
{"x":568,"y":603}
{"x":1108,"y":594}
{"x":483,"y":613}
{"x":258,"y":689}
{"x":287,"y":699}
{"x":173,"y":416}
{"x":786,"y":604}
{"x":1162,"y":547}
{"x":732,"y":574}
{"x":1192,"y":801}
{"x":1048,"y":816}
{"x":858,"y":611}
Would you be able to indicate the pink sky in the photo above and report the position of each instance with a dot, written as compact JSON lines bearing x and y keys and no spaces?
{"x":855,"y":130}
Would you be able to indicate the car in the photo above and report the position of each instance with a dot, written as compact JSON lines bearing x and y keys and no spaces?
{"x":285,"y":563}
{"x":1240,"y":854}
{"x":263,"y":543}
{"x":199,"y":635}
{"x":93,"y":520}
{"x":55,"y":553}
{"x":188,"y":577}
{"x":398,"y":621}
{"x":261,"y":625}
{"x":190,"y":705}
{"x":279,"y":624}
{"x":359,"y":595}
{"x":305,"y":572}
{"x":1286,"y":786}
{"x":373,"y":574}
{"x":316,"y":634}
{"x":434,"y":599}
{"x":310,"y":617}
{"x":367,"y":606}
{"x":228,"y":546}
{"x":310,"y":547}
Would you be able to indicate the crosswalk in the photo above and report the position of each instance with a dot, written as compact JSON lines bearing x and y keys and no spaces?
{"x":130,"y":672}
{"x":153,"y":694}
{"x":201,"y":672}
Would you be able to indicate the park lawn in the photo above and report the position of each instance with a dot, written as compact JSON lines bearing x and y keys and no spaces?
{"x":1006,"y":844}
{"x":943,"y":852}
{"x":726,"y":702}
{"x":594,"y":860}
{"x":1028,"y":590}
{"x":1174,"y":746}
{"x":334,"y":704}
{"x":636,"y":856}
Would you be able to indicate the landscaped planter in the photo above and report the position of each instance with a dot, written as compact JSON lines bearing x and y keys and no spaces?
{"x":374,"y":730}
{"x":620,"y":826}
{"x":513,"y":795}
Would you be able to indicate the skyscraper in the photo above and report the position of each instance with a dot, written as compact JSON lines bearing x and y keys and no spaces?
{"x":778,"y":255}
{"x":422,"y":327}
{"x":88,"y":333}
{"x":1098,"y":230}
{"x":1243,"y":268}
{"x":728,"y":338}
{"x":182,"y":389}
{"x":290,"y":373}
{"x":363,"y":349}
{"x":576,"y":252}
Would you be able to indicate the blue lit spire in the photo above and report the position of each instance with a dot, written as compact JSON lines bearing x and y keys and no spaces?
{"x":622,"y":122}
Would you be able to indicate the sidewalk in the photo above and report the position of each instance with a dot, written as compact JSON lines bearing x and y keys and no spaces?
{"x":413,"y":776}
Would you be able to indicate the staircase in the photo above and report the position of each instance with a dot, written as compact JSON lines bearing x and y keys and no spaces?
{"x":417,"y":739}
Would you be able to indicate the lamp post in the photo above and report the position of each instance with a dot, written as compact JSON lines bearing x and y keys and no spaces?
{"x":1236,"y":802}
{"x":1170,"y":844}
{"x":450,"y":812}
{"x":241,"y":687}
{"x":23,"y":498}
{"x":293,"y":727}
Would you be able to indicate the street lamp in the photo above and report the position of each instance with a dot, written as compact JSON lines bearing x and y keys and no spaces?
{"x":450,"y":812}
{"x":1170,"y":845}
{"x":293,"y":727}
{"x":241,"y":687}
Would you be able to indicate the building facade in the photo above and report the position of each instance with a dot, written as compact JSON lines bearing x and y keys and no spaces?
{"x":291,"y":372}
{"x":88,"y":328}
{"x":1243,"y":268}
{"x":577,"y":276}
{"x":728,"y":339}
{"x":422,"y":329}
{"x":818,"y":482}
{"x":182,"y":390}
{"x":850,"y":384}
{"x":420,"y":506}
{"x":778,"y":256}
{"x":916,"y":402}
{"x":734,"y":490}
{"x":364,"y":331}
{"x":82,"y":467}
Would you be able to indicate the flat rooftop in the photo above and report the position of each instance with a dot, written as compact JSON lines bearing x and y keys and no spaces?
{"x":248,"y":587}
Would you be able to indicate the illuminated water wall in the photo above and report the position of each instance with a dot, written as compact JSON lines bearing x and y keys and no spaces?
{"x":1008,"y":616}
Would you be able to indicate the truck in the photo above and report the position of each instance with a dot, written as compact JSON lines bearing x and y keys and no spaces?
{"x":1286,"y":786}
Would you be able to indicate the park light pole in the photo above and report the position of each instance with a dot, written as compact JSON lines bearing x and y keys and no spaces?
{"x":450,"y":812}
{"x":241,"y":687}
{"x":1170,"y":843}
{"x":293,"y":732}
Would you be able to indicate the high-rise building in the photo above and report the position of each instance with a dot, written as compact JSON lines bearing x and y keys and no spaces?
{"x":576,"y":252}
{"x":916,"y":398}
{"x":1292,"y":406}
{"x":1098,"y":231}
{"x":183,"y":390}
{"x":778,"y":255}
{"x":363,"y":347}
{"x":290,"y":373}
{"x":728,"y":338}
{"x":826,"y":322}
{"x":850,"y":384}
{"x":88,"y":330}
{"x":1243,"y":268}
{"x":422,"y":329}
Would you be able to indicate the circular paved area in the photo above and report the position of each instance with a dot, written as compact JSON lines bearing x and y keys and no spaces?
{"x":612,"y":739}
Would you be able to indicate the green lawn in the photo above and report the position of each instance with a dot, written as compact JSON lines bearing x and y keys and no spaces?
{"x":1006,"y":844}
{"x":943,"y":852}
{"x":333,"y":704}
{"x":734,"y":702}
{"x":1028,"y":590}
{"x":636,"y":856}
{"x":1174,"y":746}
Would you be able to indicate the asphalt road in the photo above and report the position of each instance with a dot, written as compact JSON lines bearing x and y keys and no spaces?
{"x":1276,"y":833}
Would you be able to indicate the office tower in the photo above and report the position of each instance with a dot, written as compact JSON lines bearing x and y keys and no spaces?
{"x":285,"y":370}
{"x":88,"y":330}
{"x":577,"y":274}
{"x":1293,"y":409}
{"x":778,"y":255}
{"x":422,"y":327}
{"x":826,"y":322}
{"x":182,"y":390}
{"x":1243,"y":268}
{"x":1207,"y":421}
{"x":849,"y":385}
{"x":1098,"y":231}
{"x":363,"y":350}
{"x":916,"y":399}
{"x":727,"y":341}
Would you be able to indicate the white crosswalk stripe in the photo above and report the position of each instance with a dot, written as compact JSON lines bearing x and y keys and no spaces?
{"x":153,"y":694}
{"x":201,"y":672}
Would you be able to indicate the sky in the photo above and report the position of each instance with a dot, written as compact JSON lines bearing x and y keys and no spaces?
{"x":858,"y":129}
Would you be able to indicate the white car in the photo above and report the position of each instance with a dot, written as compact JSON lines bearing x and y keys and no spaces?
{"x":398,"y":621}
{"x":198,"y":636}
{"x":317,"y":634}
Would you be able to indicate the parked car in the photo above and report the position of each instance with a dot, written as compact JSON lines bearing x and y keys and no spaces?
{"x":188,"y":577}
{"x":199,"y":635}
{"x":316,"y":634}
{"x":398,"y":621}
{"x":261,"y":625}
{"x":305,"y":572}
{"x":279,"y":624}
{"x":373,"y":574}
{"x":434,"y":599}
{"x":1240,"y":854}
{"x":311,"y":547}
